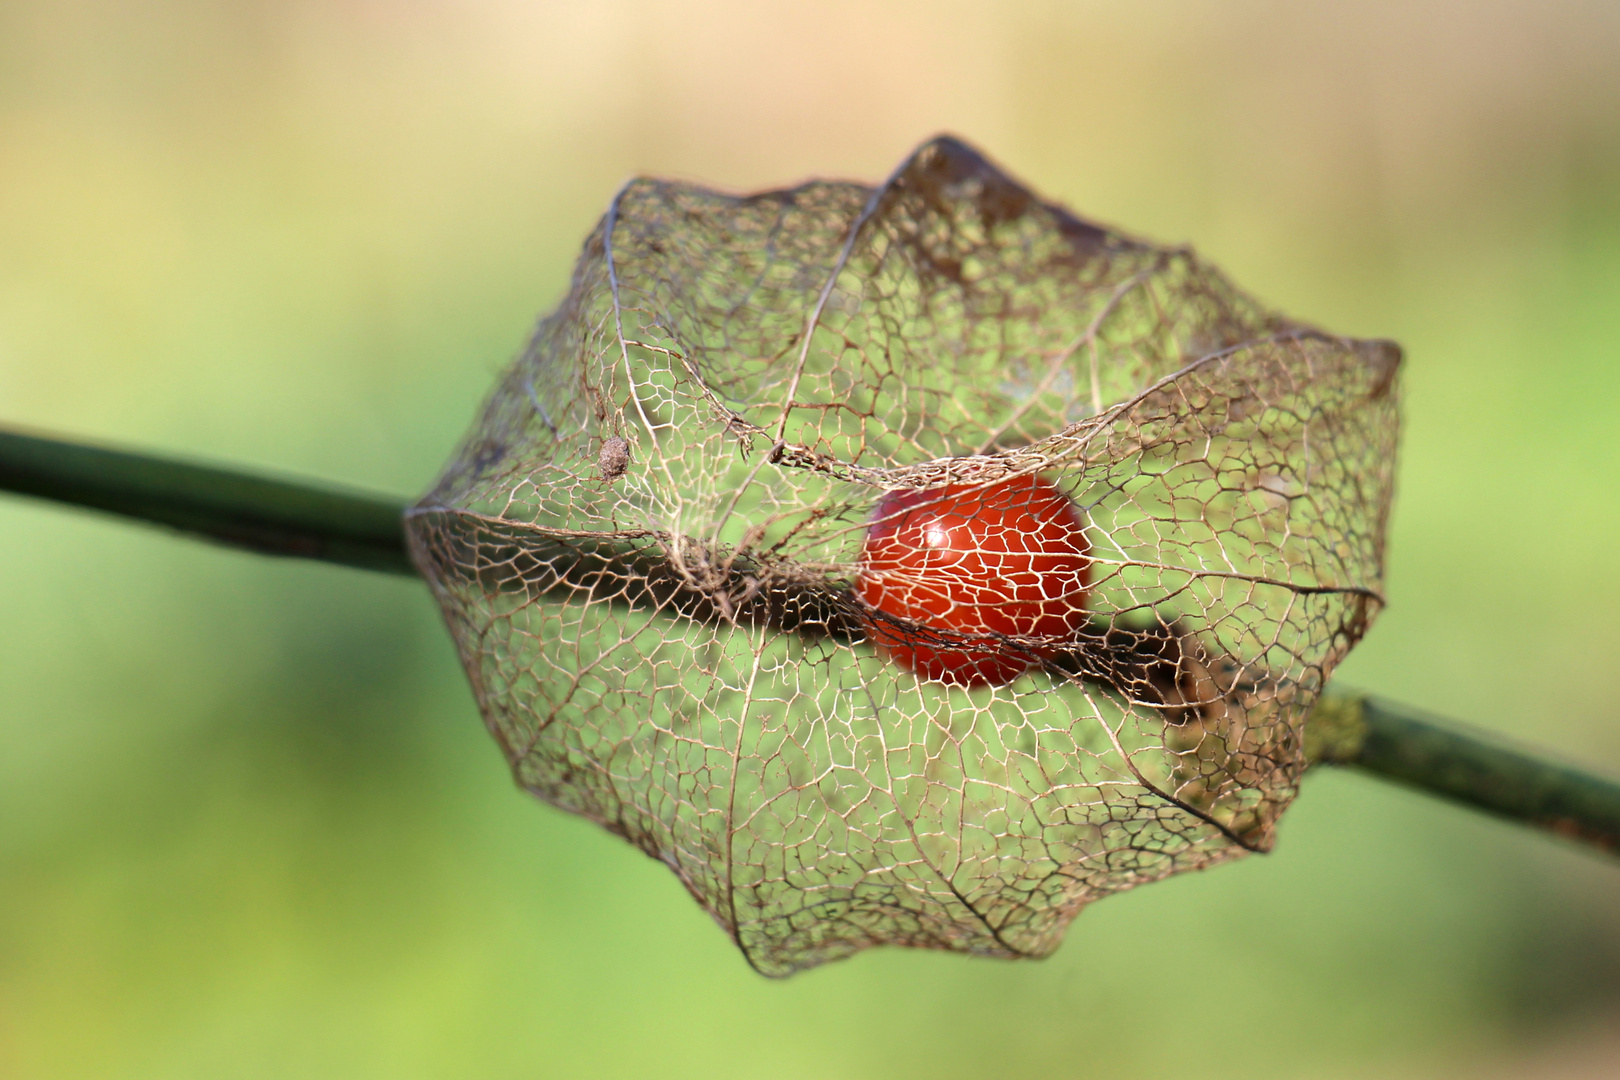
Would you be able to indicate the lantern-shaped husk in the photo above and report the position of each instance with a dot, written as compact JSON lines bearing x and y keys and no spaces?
{"x":646,"y":547}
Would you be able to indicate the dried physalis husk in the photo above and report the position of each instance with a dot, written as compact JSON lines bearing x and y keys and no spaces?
{"x":646,"y":551}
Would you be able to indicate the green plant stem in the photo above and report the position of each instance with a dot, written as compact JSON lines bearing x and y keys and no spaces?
{"x":289,"y":517}
{"x":1464,"y":764}
{"x":274,"y":517}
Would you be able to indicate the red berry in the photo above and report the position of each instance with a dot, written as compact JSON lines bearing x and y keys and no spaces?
{"x":1008,"y":558}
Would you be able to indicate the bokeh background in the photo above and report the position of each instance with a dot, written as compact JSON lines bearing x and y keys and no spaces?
{"x":249,"y":823}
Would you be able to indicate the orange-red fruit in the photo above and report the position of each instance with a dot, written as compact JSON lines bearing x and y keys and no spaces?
{"x":1008,"y":558}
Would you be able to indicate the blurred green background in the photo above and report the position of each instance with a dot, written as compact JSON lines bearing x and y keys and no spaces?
{"x":249,"y":822}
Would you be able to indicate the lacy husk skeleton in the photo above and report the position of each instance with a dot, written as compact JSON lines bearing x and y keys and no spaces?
{"x":646,"y":546}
